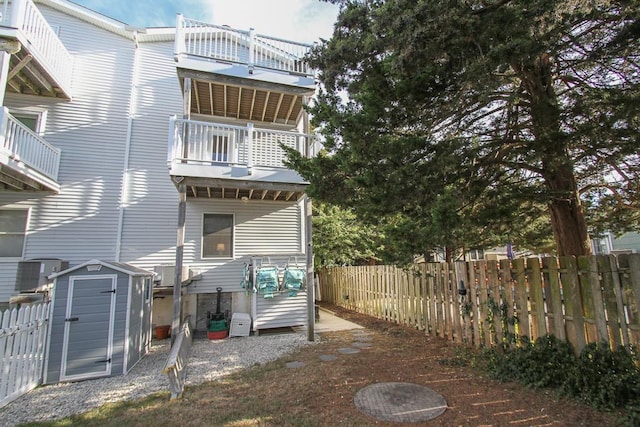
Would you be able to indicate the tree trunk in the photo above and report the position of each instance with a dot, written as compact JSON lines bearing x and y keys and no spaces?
{"x":565,"y":209}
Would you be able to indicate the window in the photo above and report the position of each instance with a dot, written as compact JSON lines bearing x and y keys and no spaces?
{"x":33,"y":120}
{"x":217,"y":236}
{"x":13,"y":223}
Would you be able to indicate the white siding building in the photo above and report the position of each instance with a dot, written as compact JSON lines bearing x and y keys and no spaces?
{"x":130,"y":124}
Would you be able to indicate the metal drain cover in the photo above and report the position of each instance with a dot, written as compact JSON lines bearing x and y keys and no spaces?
{"x":400,"y":402}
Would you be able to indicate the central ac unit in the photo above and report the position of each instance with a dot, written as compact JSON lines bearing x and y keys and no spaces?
{"x":165,"y":274}
{"x":33,"y":274}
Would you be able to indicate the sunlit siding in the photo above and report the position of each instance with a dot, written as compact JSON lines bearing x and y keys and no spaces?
{"x":81,"y":221}
{"x":261,"y":228}
{"x":7,"y":280}
{"x":151,"y":204}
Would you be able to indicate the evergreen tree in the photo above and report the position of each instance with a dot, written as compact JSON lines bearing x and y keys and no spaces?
{"x":518,"y":109}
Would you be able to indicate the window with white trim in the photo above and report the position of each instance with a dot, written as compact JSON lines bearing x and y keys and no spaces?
{"x":32,"y":119}
{"x":217,"y":236}
{"x":13,"y":225}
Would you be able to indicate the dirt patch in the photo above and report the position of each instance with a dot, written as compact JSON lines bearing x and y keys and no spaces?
{"x":401,"y":354}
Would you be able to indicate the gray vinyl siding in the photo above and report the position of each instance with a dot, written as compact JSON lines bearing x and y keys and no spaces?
{"x":261,"y":228}
{"x":81,"y":221}
{"x":151,"y":208}
{"x":8,"y":270}
{"x":279,"y":312}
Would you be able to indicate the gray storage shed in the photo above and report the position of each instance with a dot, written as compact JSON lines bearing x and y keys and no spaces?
{"x":100,"y":322}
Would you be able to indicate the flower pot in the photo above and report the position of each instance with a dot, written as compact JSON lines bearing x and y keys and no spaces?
{"x":162,"y":332}
{"x":217,"y":335}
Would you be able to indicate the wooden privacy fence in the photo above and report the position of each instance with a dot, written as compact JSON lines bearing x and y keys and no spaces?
{"x":487,"y":303}
{"x":22,"y":345}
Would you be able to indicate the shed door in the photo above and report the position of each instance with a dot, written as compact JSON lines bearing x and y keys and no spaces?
{"x":88,"y":331}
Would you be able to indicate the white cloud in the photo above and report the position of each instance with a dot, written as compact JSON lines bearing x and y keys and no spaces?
{"x":299,"y":20}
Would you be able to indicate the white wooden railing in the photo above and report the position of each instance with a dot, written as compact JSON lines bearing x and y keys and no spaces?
{"x":239,"y":46}
{"x":25,"y":16}
{"x":22,"y":144}
{"x":23,"y":336}
{"x":212,"y":143}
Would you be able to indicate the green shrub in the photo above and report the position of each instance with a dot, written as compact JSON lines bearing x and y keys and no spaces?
{"x":599,"y":376}
{"x":540,"y":364}
{"x":604,"y":378}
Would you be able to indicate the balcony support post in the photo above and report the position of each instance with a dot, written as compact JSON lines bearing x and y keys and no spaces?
{"x":311,"y":299}
{"x":249,"y":148}
{"x":252,"y":50}
{"x":4,"y":73}
{"x":186,"y":115}
{"x":179,"y":45}
{"x":177,"y":283}
{"x":17,"y":13}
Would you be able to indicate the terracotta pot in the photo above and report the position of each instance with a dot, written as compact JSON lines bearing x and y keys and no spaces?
{"x":217,"y":335}
{"x":162,"y":332}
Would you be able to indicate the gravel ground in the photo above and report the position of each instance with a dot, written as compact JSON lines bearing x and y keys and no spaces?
{"x":208,"y":360}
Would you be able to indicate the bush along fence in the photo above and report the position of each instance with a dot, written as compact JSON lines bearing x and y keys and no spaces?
{"x":501,"y":303}
{"x":23,"y":336}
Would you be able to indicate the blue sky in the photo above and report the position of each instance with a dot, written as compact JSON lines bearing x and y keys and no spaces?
{"x":296,"y":20}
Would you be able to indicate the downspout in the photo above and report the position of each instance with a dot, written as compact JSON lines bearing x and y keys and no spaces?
{"x":124,"y":193}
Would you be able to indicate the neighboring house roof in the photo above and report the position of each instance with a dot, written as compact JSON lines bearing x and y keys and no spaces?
{"x":118,"y":266}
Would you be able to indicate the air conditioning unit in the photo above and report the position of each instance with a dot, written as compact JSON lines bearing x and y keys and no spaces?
{"x":165,"y":274}
{"x":33,"y":274}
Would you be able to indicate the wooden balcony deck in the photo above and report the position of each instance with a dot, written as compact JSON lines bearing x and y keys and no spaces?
{"x":40,"y":64}
{"x":243,"y":162}
{"x":27,"y":161}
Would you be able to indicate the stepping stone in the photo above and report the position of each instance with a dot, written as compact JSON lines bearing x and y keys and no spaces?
{"x":295,"y":364}
{"x":348,"y":350}
{"x":363,"y":338}
{"x":400,"y":402}
{"x":362,"y":344}
{"x":328,"y":357}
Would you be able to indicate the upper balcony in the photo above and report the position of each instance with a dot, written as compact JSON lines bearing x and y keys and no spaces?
{"x":40,"y":64}
{"x":242,"y":75}
{"x":27,"y":161}
{"x":235,"y":162}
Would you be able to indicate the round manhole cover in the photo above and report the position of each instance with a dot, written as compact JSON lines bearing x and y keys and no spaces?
{"x":400,"y":402}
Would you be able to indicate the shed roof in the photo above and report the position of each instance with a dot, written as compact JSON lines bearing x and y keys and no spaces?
{"x":118,"y":266}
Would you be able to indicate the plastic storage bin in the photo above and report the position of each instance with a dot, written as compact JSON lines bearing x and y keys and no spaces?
{"x":240,"y":325}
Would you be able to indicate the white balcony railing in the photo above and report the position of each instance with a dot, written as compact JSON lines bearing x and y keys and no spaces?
{"x":212,"y":143}
{"x":239,"y":46}
{"x":21,"y":144}
{"x":25,"y":16}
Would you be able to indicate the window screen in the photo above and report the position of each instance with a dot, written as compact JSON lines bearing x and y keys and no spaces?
{"x":217,"y":235}
{"x":12,"y":231}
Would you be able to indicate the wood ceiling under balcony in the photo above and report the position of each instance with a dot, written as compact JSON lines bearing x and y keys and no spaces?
{"x":26,"y":76}
{"x":249,"y":104}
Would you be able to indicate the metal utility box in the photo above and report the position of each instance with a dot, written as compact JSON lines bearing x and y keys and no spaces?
{"x":240,"y":325}
{"x":100,"y":322}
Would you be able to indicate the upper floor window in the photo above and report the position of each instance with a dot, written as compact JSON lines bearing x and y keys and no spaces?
{"x":13,"y":225}
{"x":34,"y":120}
{"x":217,"y":236}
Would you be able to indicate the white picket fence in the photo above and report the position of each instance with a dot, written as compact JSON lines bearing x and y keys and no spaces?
{"x":22,"y":346}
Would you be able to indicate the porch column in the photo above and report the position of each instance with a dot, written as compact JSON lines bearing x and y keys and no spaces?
{"x":177,"y":282}
{"x":5,"y":56}
{"x":311,"y":298}
{"x":186,"y":114}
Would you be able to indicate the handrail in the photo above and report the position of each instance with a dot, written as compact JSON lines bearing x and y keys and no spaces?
{"x":176,"y":364}
{"x":239,"y":46}
{"x":212,"y":143}
{"x":25,"y":16}
{"x":23,"y":145}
